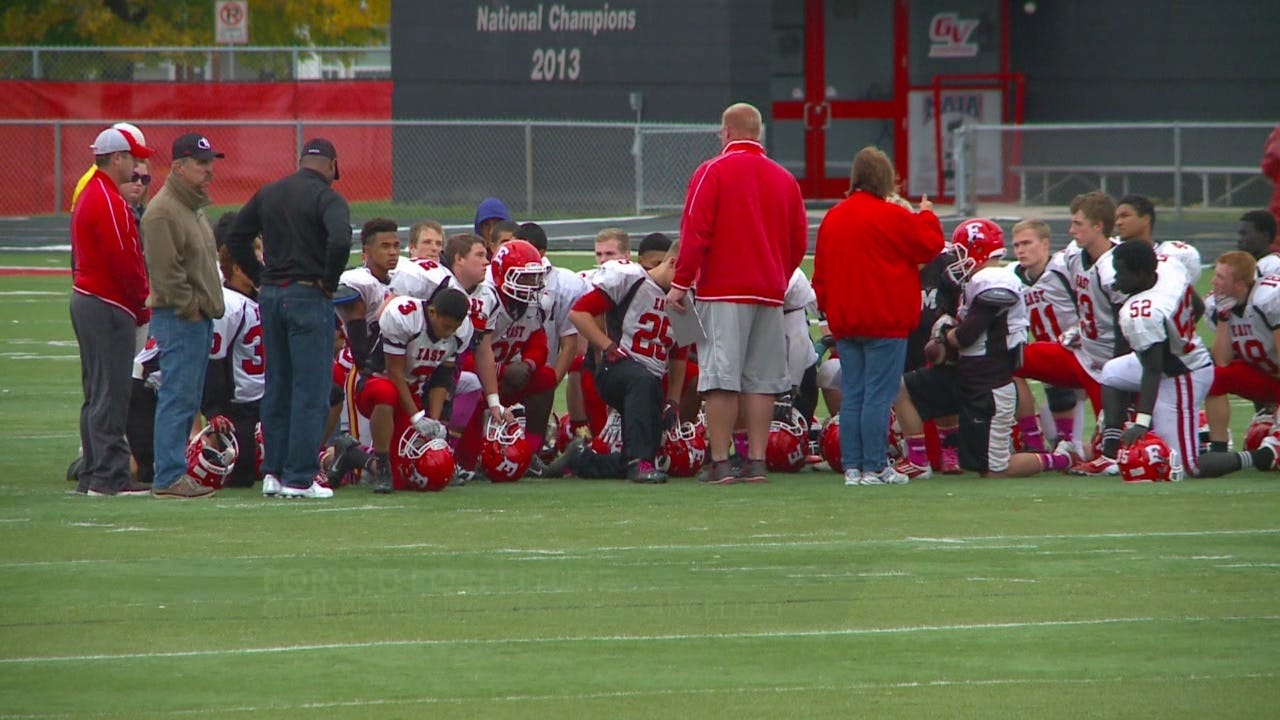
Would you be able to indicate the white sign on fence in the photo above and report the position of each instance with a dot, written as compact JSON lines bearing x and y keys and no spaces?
{"x":231,"y":22}
{"x":958,"y":107}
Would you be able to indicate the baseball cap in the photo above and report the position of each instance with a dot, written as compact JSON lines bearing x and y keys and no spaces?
{"x":115,"y":139}
{"x":323,"y":148}
{"x":194,"y":145}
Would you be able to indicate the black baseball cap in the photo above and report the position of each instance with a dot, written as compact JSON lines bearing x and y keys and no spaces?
{"x":194,"y":145}
{"x":323,"y":148}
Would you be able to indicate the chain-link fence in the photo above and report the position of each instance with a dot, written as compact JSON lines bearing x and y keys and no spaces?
{"x":193,"y":64}
{"x":1177,"y":164}
{"x":399,"y":168}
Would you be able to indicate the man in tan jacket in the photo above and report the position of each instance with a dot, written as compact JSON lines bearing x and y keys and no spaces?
{"x":182,"y":260}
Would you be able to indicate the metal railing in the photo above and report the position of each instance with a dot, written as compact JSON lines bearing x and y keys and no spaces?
{"x":539,"y":168}
{"x":194,"y":63}
{"x":1048,"y":164}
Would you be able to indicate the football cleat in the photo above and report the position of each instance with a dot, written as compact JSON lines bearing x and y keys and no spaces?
{"x":906,"y":468}
{"x":1097,"y":467}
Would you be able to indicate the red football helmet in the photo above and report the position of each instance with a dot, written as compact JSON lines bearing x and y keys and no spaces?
{"x":683,"y":451}
{"x":211,"y":455}
{"x":831,"y":444}
{"x":610,"y":438}
{"x":1149,"y":460}
{"x":1259,"y":429}
{"x":974,"y":242}
{"x":425,"y":465}
{"x":786,"y":449}
{"x":518,"y":271}
{"x":505,"y":455}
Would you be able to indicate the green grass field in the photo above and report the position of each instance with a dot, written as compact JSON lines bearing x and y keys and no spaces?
{"x":1051,"y":597}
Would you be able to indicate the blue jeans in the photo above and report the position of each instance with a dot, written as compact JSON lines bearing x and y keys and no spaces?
{"x":298,"y":334}
{"x":871,"y":373}
{"x":184,"y":357}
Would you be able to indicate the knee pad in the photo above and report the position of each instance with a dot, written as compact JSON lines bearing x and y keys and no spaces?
{"x":829,"y":374}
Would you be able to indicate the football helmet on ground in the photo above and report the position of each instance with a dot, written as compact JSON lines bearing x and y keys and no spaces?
{"x":1149,"y":460}
{"x":212,"y":453}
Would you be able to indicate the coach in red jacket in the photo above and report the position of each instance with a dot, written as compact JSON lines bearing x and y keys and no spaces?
{"x":867,"y":277}
{"x":743,"y":233}
{"x":110,"y":286}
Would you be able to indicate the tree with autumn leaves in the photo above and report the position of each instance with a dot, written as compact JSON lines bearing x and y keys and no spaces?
{"x":116,"y":23}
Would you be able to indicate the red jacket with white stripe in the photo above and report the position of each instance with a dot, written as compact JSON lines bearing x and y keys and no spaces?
{"x":744,"y":230}
{"x":106,"y":255}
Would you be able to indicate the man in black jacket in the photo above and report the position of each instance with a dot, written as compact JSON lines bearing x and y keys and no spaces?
{"x":306,"y":241}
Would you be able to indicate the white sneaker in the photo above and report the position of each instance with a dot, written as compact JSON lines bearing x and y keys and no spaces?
{"x":909,"y":470}
{"x":888,"y":476}
{"x":852,"y":477}
{"x":270,"y":486}
{"x":315,"y":492}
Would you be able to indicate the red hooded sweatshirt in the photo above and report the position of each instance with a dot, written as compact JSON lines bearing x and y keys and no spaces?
{"x":866,"y":270}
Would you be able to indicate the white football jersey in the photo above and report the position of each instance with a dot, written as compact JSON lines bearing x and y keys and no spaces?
{"x":1269,"y":264}
{"x":509,"y":333}
{"x":238,"y":335}
{"x":1252,"y":337}
{"x":799,"y":301}
{"x":421,"y":279}
{"x":372,"y":291}
{"x":1095,"y":305}
{"x":564,"y":288}
{"x":1158,"y":316}
{"x":997,"y":286}
{"x":639,"y":317}
{"x":1050,"y":299}
{"x":406,"y":332}
{"x":1186,"y":255}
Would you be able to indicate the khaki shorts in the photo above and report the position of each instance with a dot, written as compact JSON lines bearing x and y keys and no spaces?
{"x":745,"y":350}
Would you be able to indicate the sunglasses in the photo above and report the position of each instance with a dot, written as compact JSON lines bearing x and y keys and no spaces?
{"x":144,"y":179}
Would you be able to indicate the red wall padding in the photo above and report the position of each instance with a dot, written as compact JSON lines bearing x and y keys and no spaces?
{"x":256,"y":154}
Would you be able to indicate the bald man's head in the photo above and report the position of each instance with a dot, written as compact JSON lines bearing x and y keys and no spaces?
{"x":741,"y":121}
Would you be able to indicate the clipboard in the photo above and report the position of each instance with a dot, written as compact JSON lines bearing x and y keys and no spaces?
{"x":687,"y":326}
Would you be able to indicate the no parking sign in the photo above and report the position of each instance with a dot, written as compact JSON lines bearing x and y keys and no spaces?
{"x":231,"y":22}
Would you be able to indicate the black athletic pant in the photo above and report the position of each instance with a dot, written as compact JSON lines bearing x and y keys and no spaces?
{"x":637,"y":395}
{"x":245,"y":418}
{"x":140,"y":429}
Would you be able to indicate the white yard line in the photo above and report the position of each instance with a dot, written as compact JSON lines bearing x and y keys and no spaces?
{"x":675,"y":637}
{"x":596,"y":552}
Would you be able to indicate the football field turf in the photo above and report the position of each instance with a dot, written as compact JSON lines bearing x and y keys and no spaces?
{"x":1050,"y":597}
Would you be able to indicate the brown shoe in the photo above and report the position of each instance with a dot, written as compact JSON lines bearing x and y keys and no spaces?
{"x":754,"y":471}
{"x":185,"y":488}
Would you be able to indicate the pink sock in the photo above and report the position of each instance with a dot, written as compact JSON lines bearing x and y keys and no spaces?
{"x":1032,"y":438}
{"x":1064,"y":426}
{"x":1053,"y":461}
{"x":535,"y":441}
{"x":740,"y":444}
{"x":916,"y":452}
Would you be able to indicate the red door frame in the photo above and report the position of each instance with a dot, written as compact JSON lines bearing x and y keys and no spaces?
{"x":817,"y":112}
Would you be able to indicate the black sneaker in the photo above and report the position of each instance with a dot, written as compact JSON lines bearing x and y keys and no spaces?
{"x":536,"y":468}
{"x":643,"y":471}
{"x":556,"y":468}
{"x":754,"y":471}
{"x":73,"y":470}
{"x":340,"y":465}
{"x":380,"y":479}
